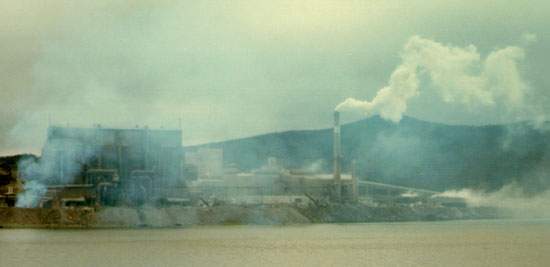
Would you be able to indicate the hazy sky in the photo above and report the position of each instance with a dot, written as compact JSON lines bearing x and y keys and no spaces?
{"x":237,"y":68}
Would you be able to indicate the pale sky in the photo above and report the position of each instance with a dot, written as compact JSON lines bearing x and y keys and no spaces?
{"x":233,"y":69}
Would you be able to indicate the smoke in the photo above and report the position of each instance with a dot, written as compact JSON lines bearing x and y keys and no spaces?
{"x":52,"y":168}
{"x":511,"y":200}
{"x":409,"y":194}
{"x":458,"y":74}
{"x":32,"y":171}
{"x":316,"y":166}
{"x":30,"y":198}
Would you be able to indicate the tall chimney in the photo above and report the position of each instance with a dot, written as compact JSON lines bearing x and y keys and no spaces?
{"x":337,"y":155}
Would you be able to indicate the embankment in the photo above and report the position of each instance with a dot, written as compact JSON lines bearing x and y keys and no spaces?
{"x":149,"y":216}
{"x":47,"y":218}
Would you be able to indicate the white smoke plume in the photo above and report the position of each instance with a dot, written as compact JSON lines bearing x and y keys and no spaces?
{"x":316,"y":166}
{"x":511,"y":200}
{"x":459,"y":74}
{"x":38,"y":174}
{"x":30,"y":198}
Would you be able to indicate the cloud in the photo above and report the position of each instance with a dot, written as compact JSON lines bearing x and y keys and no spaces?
{"x":235,"y":68}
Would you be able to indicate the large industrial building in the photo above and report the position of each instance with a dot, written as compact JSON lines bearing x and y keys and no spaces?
{"x":107,"y":165}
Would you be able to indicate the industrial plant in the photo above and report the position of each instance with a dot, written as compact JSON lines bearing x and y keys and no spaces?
{"x":92,"y":169}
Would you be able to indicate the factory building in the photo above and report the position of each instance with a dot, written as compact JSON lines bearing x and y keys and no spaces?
{"x":110,"y":165}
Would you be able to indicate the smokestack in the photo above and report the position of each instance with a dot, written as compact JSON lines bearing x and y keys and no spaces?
{"x":337,"y":155}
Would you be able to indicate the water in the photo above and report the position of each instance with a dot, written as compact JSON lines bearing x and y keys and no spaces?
{"x":459,"y":243}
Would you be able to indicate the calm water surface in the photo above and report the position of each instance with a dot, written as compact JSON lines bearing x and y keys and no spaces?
{"x":459,"y":243}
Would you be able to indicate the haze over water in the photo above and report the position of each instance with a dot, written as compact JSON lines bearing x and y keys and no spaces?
{"x":455,"y":243}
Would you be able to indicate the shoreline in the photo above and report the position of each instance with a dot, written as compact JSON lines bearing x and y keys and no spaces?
{"x":150,"y":217}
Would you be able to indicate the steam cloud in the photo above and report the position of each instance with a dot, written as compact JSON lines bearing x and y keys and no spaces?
{"x":511,"y":200}
{"x":459,"y":74}
{"x":30,"y":198}
{"x":38,"y":174}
